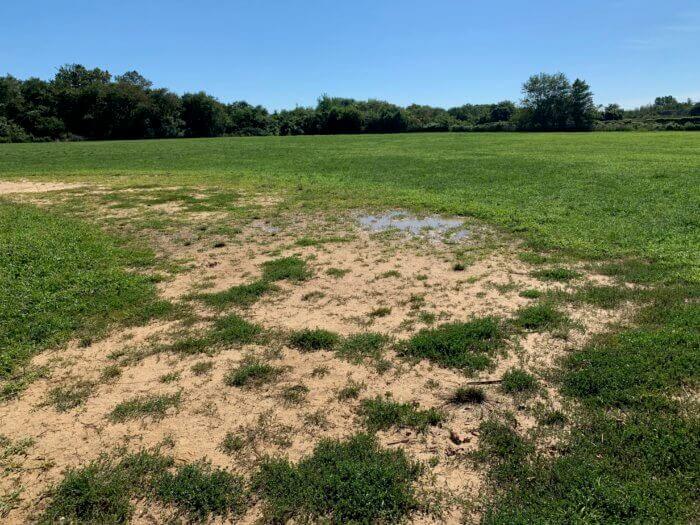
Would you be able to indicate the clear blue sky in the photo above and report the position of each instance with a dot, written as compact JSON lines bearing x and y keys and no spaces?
{"x":286,"y":53}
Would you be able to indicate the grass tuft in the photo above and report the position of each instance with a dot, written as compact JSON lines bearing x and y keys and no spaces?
{"x":518,"y":381}
{"x":471,"y":395}
{"x":538,"y":317}
{"x":556,"y":274}
{"x":313,"y":340}
{"x":242,"y":295}
{"x":383,"y":414}
{"x":154,"y":406}
{"x":358,"y":347}
{"x":252,"y":373}
{"x":65,"y":398}
{"x":458,"y":345}
{"x":352,"y":481}
{"x":287,"y":268}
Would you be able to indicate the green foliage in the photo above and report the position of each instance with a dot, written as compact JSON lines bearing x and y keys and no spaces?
{"x":530,"y":293}
{"x":602,"y":296}
{"x":251,"y":373}
{"x":516,"y":381}
{"x":351,"y":390}
{"x":314,"y":340}
{"x":538,"y":317}
{"x":102,"y":491}
{"x":352,"y":481}
{"x":458,"y":345}
{"x":357,"y":347}
{"x":382,"y":414}
{"x":241,"y":295}
{"x":287,"y":268}
{"x":202,"y":367}
{"x":635,"y":368}
{"x":468,"y":395}
{"x":65,"y":398}
{"x":60,"y":278}
{"x":337,"y":272}
{"x":295,"y":394}
{"x":233,"y":329}
{"x":556,"y":274}
{"x":200,"y":491}
{"x":152,"y":405}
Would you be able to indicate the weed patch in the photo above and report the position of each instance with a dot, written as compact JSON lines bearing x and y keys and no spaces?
{"x":516,"y":381}
{"x":252,"y":373}
{"x":383,"y":414}
{"x":359,"y":347}
{"x":466,"y":346}
{"x":352,"y":481}
{"x":314,"y":340}
{"x":243,"y":295}
{"x":154,"y":406}
{"x":291,"y":269}
{"x":538,"y":317}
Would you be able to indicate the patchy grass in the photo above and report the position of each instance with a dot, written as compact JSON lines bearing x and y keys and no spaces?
{"x":517,"y":381}
{"x":468,"y":395}
{"x":232,"y":443}
{"x":313,"y":340}
{"x":318,"y":241}
{"x":104,"y":491}
{"x":351,"y":390}
{"x":388,"y":274}
{"x":111,"y":372}
{"x":607,"y":297}
{"x":252,"y":373}
{"x":352,"y":481}
{"x":295,"y":394}
{"x":202,"y":368}
{"x":381,"y":311}
{"x":59,"y":279}
{"x":337,"y":272}
{"x":199,"y":491}
{"x":467,"y":346}
{"x":233,"y":329}
{"x":170,"y":377}
{"x":65,"y":398}
{"x":291,"y":269}
{"x":530,"y":293}
{"x":243,"y":295}
{"x":556,"y":274}
{"x":154,"y":406}
{"x":358,"y":347}
{"x":383,"y":414}
{"x":539,"y":317}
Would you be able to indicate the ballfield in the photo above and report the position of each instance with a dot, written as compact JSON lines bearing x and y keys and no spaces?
{"x":424,"y":328}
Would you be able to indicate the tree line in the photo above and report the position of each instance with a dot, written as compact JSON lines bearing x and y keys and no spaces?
{"x":91,"y":104}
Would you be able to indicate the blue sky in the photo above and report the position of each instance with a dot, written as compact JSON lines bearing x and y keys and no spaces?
{"x":286,"y":53}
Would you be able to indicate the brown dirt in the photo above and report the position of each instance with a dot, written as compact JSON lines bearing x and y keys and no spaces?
{"x":489,"y":286}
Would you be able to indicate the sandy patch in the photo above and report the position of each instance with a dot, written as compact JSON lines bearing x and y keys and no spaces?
{"x":23,"y":186}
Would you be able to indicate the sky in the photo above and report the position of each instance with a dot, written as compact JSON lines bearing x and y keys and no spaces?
{"x":283,"y":54}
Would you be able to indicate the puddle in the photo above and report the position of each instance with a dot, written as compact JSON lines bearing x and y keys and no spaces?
{"x":430,"y":226}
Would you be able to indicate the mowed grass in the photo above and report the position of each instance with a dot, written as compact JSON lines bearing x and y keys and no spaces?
{"x":594,"y":194}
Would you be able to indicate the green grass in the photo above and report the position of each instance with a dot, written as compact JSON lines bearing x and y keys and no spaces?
{"x":593,"y":194}
{"x":65,"y":398}
{"x":358,"y":347}
{"x":516,"y":381}
{"x":556,"y":274}
{"x":155,"y":406}
{"x":251,"y":373}
{"x":199,"y":491}
{"x":313,"y":340}
{"x":104,"y":491}
{"x":60,"y":278}
{"x":287,"y":268}
{"x":233,"y":329}
{"x":539,"y":317}
{"x":468,"y":395}
{"x":383,"y":414}
{"x":468,"y":346}
{"x":241,"y":295}
{"x":352,"y":481}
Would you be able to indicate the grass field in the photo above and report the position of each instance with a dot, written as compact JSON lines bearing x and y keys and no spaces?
{"x":544,"y":370}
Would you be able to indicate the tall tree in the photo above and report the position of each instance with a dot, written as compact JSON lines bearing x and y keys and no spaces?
{"x":581,"y":106}
{"x":546,"y":101}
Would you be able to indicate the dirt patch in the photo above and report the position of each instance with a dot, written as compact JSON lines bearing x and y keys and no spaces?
{"x":359,"y":281}
{"x":23,"y":186}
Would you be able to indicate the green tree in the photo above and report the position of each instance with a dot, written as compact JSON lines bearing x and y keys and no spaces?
{"x":546,"y":102}
{"x":581,"y":108}
{"x":613,"y":112}
{"x":204,"y":116}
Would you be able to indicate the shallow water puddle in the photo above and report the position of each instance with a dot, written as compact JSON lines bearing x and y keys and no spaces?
{"x":432,"y":226}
